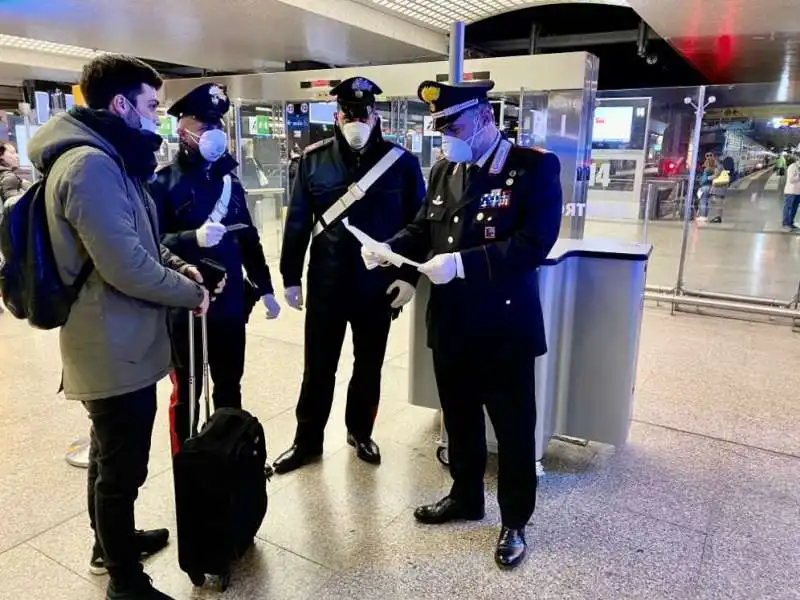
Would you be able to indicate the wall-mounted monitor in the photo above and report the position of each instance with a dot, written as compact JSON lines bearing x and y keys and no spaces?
{"x":620,"y":124}
{"x":323,"y":113}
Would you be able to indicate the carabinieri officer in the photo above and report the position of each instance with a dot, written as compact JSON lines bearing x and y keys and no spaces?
{"x":204,"y":219}
{"x":491,"y":215}
{"x":378,"y":186}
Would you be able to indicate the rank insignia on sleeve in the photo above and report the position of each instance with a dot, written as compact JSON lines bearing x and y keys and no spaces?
{"x":505,"y":199}
{"x":489,"y":233}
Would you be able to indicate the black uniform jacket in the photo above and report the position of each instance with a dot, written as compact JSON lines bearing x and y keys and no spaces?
{"x":186,"y":193}
{"x":336,"y":273}
{"x":504,"y":219}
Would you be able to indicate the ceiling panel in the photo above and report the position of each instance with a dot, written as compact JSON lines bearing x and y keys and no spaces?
{"x":439,"y":14}
{"x":226,"y":35}
{"x":731,"y":40}
{"x":11,"y":74}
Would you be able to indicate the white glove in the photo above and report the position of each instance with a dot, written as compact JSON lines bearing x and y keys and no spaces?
{"x":443,"y":268}
{"x":372,"y":260}
{"x":405,"y":292}
{"x":294,"y":297}
{"x":210,"y":234}
{"x":272,"y":306}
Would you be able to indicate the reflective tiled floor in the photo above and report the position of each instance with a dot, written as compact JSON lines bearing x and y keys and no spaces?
{"x":703,"y":503}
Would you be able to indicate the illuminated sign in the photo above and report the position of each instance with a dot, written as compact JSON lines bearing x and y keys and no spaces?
{"x":477,"y":76}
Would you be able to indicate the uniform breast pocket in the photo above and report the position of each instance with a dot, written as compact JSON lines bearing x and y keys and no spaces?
{"x":436,"y":213}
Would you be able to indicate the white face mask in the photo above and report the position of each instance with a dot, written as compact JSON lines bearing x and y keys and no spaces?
{"x":357,"y":134}
{"x":458,"y":150}
{"x":212,"y":144}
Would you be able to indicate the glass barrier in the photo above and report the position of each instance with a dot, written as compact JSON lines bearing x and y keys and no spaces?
{"x":728,"y":233}
{"x":740,"y":243}
{"x":638,"y":182}
{"x":261,"y":146}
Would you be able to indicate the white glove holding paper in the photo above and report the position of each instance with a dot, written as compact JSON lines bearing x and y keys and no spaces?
{"x":373,"y":260}
{"x":373,"y":251}
{"x":405,"y":292}
{"x":210,"y":234}
{"x":443,"y":268}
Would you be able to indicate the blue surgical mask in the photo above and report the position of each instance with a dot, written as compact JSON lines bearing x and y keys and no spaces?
{"x":145,"y":124}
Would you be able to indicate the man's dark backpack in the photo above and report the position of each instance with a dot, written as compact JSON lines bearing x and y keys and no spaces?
{"x":29,"y":281}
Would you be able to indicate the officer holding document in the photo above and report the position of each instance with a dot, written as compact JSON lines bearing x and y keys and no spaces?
{"x":490,"y":218}
{"x":204,"y":219}
{"x":378,"y":187}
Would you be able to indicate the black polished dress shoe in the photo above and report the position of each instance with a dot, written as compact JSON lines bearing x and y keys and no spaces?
{"x":445,"y":510}
{"x":367,"y":450}
{"x":511,"y":548}
{"x":294,"y":458}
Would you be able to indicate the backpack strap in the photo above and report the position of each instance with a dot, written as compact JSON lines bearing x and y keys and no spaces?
{"x":83,"y":275}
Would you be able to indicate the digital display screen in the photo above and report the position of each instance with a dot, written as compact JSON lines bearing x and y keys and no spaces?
{"x":620,"y":123}
{"x":323,"y":113}
{"x":612,"y":124}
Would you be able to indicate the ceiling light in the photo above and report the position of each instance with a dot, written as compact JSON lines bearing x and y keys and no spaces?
{"x":21,"y":43}
{"x":441,"y":13}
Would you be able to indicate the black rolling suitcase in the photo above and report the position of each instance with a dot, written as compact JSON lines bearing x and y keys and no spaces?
{"x":220,"y":483}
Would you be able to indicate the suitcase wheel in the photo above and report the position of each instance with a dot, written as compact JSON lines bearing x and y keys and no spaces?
{"x":198,"y":579}
{"x":225,"y":581}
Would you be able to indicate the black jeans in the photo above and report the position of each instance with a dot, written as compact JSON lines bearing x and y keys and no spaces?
{"x":226,"y":354}
{"x":467,"y":382}
{"x":122,"y":427}
{"x":324,"y":334}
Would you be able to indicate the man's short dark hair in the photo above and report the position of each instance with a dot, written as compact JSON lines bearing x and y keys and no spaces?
{"x":111,"y":74}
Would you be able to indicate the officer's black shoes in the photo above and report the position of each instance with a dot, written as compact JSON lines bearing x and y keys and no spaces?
{"x":294,"y":458}
{"x":367,"y":450}
{"x":138,"y":587}
{"x":511,"y":548}
{"x":147,"y":542}
{"x":445,"y":510}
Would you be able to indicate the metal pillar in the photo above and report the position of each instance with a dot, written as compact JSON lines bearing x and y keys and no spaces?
{"x":457,"y":52}
{"x":533,"y":42}
{"x":688,"y":198}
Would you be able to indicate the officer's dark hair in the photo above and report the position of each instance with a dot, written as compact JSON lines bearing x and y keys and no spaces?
{"x":111,"y":74}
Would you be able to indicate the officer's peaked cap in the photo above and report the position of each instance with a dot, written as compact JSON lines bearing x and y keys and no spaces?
{"x":356,"y":90}
{"x":207,"y":103}
{"x":446,"y":101}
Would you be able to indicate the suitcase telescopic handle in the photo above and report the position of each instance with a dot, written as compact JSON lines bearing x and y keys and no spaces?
{"x":193,"y":375}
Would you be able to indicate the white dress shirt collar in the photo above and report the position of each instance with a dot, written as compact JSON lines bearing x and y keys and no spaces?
{"x":482,"y":160}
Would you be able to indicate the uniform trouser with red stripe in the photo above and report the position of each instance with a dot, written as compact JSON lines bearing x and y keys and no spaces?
{"x":226,"y":344}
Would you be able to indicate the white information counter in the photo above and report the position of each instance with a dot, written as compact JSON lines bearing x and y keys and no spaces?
{"x":592,"y":294}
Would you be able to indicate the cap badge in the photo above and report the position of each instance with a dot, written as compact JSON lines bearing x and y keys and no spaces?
{"x":430,"y":94}
{"x":361,"y":85}
{"x":216,"y":94}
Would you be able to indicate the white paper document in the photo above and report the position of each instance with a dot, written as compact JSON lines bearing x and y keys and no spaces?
{"x":377,"y":248}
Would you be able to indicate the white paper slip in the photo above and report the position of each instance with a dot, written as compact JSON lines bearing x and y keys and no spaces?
{"x":377,"y":248}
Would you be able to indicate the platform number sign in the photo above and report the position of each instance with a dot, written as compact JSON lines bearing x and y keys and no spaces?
{"x":600,"y":175}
